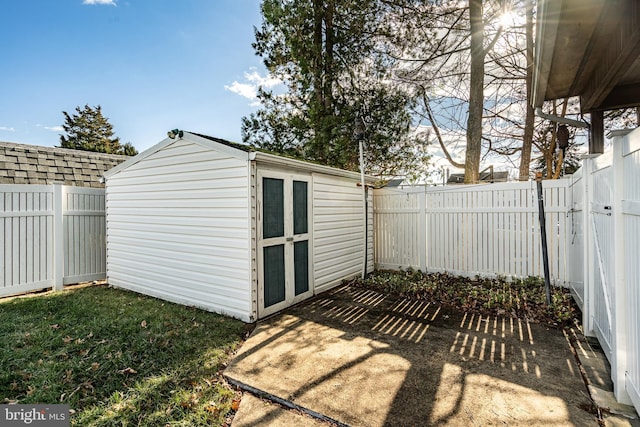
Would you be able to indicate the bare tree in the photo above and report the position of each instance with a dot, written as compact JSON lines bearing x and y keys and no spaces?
{"x":476,"y":94}
{"x":469,"y":77}
{"x":527,"y":138}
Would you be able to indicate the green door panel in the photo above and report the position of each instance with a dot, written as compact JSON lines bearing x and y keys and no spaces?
{"x":274,"y":275}
{"x":301,"y":265}
{"x":300,"y":220}
{"x":273,"y":207}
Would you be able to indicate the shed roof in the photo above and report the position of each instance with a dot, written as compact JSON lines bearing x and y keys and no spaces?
{"x":33,"y":164}
{"x":244,"y":152}
{"x":588,"y":48}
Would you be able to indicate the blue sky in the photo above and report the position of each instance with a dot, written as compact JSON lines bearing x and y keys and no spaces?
{"x":153,"y":65}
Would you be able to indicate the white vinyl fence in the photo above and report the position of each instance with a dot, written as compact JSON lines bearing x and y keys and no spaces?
{"x":486,"y":230}
{"x":609,"y":229}
{"x":50,"y":235}
{"x":593,"y":232}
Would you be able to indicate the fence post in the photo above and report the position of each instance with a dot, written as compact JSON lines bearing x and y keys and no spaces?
{"x":587,"y":248}
{"x":423,"y":230}
{"x":619,"y":270}
{"x":58,"y":236}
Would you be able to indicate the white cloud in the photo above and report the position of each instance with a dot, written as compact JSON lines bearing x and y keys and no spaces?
{"x":246,"y":90}
{"x":267,"y":81}
{"x":253,"y":81}
{"x":51,"y":128}
{"x":7,"y":129}
{"x":107,"y":2}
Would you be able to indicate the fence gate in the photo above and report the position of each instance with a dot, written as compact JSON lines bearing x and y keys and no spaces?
{"x":575,"y":238}
{"x":611,"y":232}
{"x":601,"y":227}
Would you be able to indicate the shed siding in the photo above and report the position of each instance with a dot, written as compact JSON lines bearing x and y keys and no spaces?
{"x":338,"y":228}
{"x":178,"y":228}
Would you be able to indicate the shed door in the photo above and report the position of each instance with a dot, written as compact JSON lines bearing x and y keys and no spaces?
{"x":284,"y":240}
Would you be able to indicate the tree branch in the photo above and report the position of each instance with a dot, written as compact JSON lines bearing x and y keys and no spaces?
{"x":436,"y":129}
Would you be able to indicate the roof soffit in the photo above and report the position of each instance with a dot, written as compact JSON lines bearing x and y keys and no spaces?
{"x":588,"y":48}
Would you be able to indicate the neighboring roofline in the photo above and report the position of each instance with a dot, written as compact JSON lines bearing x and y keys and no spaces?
{"x":60,"y":150}
{"x":39,"y":165}
{"x":241,"y":152}
{"x":485,"y":177}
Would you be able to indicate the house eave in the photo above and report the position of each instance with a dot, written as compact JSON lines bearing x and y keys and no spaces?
{"x":590,"y":49}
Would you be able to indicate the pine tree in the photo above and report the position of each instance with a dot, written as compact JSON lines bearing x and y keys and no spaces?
{"x":128,"y":149}
{"x":329,"y":55}
{"x":89,"y":130}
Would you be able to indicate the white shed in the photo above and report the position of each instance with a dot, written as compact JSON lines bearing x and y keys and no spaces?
{"x":217,"y":225}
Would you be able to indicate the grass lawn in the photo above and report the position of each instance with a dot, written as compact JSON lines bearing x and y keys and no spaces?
{"x":524,"y":298}
{"x":118,"y":358}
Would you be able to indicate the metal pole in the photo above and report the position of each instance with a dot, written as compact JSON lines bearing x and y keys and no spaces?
{"x":364,"y":200}
{"x":543,"y":235}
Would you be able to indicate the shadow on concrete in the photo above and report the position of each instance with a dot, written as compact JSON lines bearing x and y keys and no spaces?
{"x":360,"y":358}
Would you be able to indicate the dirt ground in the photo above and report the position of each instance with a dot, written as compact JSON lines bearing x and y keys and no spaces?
{"x":365,"y":359}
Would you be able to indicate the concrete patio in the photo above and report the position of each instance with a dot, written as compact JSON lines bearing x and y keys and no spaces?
{"x":356,"y":357}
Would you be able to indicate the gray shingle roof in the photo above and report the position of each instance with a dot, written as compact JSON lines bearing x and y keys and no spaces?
{"x":32,"y":164}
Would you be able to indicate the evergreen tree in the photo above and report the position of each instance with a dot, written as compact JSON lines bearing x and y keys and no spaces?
{"x":128,"y":149}
{"x":89,"y":130}
{"x":329,"y":55}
